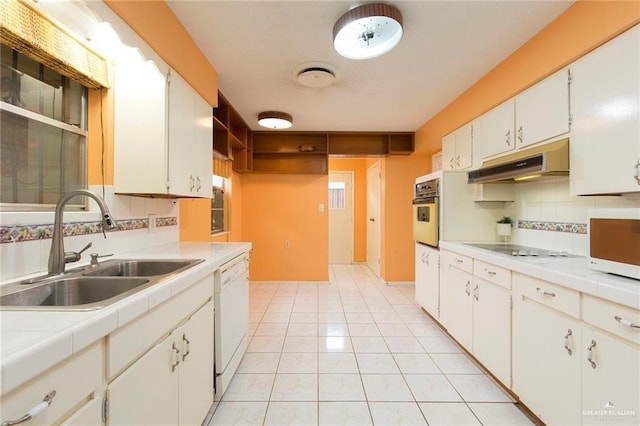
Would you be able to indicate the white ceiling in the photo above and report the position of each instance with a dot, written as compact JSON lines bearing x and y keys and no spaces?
{"x":447,"y":46}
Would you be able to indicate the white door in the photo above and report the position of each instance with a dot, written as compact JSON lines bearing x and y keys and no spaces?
{"x":373,"y":218}
{"x":340,"y":217}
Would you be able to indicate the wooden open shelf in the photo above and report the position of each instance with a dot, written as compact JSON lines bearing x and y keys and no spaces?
{"x":231,"y":136}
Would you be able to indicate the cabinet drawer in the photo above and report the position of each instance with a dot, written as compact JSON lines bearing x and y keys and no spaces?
{"x":131,"y":341}
{"x":492,"y":273}
{"x":459,"y":261}
{"x":556,"y":297}
{"x":74,"y":380}
{"x":614,"y":318}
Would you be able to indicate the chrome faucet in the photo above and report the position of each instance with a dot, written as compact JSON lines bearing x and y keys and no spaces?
{"x":57,"y":257}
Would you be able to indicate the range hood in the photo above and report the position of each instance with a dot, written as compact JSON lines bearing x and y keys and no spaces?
{"x":546,"y":160}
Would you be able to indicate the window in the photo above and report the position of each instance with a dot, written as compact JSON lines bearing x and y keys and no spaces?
{"x":219,"y":205}
{"x":336,"y":195}
{"x":43,"y":131}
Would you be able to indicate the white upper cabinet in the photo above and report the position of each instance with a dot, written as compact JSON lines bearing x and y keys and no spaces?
{"x":542,"y":111}
{"x":494,"y":133}
{"x":457,"y":149}
{"x":163,"y":131}
{"x":605,"y":106}
{"x":190,"y":140}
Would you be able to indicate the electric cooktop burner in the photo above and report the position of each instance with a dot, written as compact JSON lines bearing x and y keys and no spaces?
{"x":518,"y":250}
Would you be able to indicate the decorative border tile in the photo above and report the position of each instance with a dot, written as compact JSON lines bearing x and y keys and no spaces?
{"x":20,"y":233}
{"x":571,"y":228}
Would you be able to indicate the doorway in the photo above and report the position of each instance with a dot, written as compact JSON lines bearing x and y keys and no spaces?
{"x":341,"y":217}
{"x":373,"y":218}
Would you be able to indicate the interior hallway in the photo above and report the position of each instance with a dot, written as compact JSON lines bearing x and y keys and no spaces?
{"x":355,"y":352}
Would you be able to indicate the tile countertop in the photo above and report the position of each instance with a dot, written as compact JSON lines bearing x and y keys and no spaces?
{"x":33,"y":341}
{"x":569,"y":272}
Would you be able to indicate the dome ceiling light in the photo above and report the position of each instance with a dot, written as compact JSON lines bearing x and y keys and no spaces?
{"x":367,"y":31}
{"x":275,"y":120}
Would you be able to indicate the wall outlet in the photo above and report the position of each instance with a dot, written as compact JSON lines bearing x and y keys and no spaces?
{"x":321,"y":208}
{"x":152,"y":222}
{"x":287,"y":244}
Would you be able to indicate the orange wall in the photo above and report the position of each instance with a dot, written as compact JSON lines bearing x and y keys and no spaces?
{"x":398,"y":250}
{"x":100,"y":138}
{"x":582,"y":28}
{"x":359,"y":168}
{"x":276,"y":208}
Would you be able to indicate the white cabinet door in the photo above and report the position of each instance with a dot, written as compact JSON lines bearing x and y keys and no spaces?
{"x":605,"y":106}
{"x":181,"y":136}
{"x":455,"y":305}
{"x":457,"y":149}
{"x":196,"y":369}
{"x":495,"y":130}
{"x":542,"y":111}
{"x":427,"y":285}
{"x":140,"y":128}
{"x":147,"y":392}
{"x":449,"y":152}
{"x":546,"y":375}
{"x":464,"y":147}
{"x":610,"y":392}
{"x":492,"y":328}
{"x":203,"y":147}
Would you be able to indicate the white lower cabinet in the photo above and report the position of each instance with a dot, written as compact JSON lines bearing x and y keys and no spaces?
{"x":172,"y":383}
{"x":491,"y":328}
{"x":427,"y":285}
{"x":546,"y":353}
{"x":456,"y":309}
{"x":77,"y":385}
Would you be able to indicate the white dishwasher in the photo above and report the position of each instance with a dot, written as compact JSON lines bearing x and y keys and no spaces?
{"x":231,"y":319}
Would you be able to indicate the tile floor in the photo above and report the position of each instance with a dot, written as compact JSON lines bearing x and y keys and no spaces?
{"x":355,"y":352}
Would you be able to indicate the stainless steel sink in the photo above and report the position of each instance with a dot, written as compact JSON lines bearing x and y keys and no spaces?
{"x":139,"y":268}
{"x":91,"y":287}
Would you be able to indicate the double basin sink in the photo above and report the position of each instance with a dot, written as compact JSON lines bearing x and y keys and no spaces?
{"x":91,"y":288}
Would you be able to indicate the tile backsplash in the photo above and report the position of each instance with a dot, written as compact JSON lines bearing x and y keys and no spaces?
{"x":548,"y":217}
{"x":26,"y":237}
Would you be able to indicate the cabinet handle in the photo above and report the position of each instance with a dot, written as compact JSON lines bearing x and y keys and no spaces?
{"x":191,"y":183}
{"x":457,"y":160}
{"x":37,"y":409}
{"x":476,"y":293}
{"x":590,"y":354}
{"x":545,"y":293}
{"x":567,"y":343}
{"x":176,"y":357}
{"x":625,"y":322}
{"x":451,"y":163}
{"x":199,"y":184}
{"x":467,"y":288}
{"x":459,"y":261}
{"x":426,"y":259}
{"x":492,"y":273}
{"x":636,"y":172}
{"x":186,"y":347}
{"x":507,"y":138}
{"x":520,"y":134}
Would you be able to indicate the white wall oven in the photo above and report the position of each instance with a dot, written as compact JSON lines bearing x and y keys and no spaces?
{"x":426,"y":211}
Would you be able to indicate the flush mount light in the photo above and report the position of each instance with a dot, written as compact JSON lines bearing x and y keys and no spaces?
{"x":367,"y":31}
{"x":275,"y":120}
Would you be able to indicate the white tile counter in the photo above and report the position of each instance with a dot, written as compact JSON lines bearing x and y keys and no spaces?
{"x":569,"y":272}
{"x":34,"y":341}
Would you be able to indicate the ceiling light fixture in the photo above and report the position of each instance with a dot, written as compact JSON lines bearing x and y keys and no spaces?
{"x":367,"y":31}
{"x":275,"y":120}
